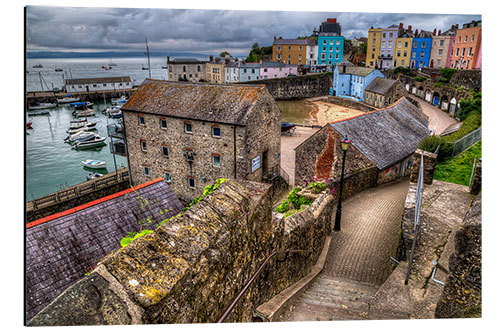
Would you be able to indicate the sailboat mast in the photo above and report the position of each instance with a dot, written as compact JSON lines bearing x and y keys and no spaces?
{"x":149,"y":63}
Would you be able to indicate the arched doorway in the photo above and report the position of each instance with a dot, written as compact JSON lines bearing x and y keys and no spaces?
{"x":444,"y":103}
{"x":428,"y":95}
{"x":407,"y":87}
{"x":413,"y":90}
{"x":453,"y":106}
{"x":420,"y":92}
{"x":436,"y":99}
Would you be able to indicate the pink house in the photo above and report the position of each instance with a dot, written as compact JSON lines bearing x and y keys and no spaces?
{"x":272,"y":70}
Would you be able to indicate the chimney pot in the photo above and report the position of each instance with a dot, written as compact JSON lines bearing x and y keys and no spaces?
{"x":434,"y":32}
{"x":168,"y":58}
{"x":211,"y":58}
{"x":274,"y":37}
{"x":409,"y":28}
{"x":400,"y":25}
{"x":439,"y":32}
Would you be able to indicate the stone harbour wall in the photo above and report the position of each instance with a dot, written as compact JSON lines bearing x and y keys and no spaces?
{"x":297,"y":87}
{"x":193,"y":266}
{"x":429,"y":166}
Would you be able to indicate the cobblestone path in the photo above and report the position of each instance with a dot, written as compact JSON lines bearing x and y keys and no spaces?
{"x":358,"y":258}
{"x":369,"y":234}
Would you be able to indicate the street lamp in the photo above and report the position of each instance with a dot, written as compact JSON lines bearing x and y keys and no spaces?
{"x":344,"y":145}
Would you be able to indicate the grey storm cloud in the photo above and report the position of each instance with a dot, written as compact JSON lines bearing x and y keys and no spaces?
{"x":120,"y":29}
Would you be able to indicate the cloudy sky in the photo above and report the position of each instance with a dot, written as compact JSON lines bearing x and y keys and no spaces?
{"x":54,"y":28}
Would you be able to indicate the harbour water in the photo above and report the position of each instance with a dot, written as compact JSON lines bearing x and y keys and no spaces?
{"x":51,"y":164}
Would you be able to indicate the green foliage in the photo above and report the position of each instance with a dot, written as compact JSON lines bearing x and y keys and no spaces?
{"x":206,"y":191}
{"x":133,"y":236}
{"x":446,"y":74}
{"x":430,"y":143}
{"x":252,"y":58}
{"x":257,"y":52}
{"x":317,"y":185}
{"x":224,"y":53}
{"x":471,"y":123}
{"x":295,"y":200}
{"x":364,"y":46}
{"x":458,"y":170}
{"x":420,"y":78}
{"x":471,"y":105}
{"x":402,"y":70}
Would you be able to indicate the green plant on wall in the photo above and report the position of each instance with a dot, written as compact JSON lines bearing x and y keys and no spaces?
{"x":293,"y":200}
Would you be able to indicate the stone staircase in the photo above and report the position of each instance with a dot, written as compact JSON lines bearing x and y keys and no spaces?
{"x":329,"y":298}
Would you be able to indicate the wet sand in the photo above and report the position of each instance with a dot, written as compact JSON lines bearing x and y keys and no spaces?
{"x":323,"y":113}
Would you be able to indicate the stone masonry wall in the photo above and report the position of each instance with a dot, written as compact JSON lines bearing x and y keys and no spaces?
{"x":462,"y":291}
{"x":193,"y":266}
{"x":297,"y":87}
{"x":350,"y":103}
{"x":476,"y":181}
{"x":429,"y":166}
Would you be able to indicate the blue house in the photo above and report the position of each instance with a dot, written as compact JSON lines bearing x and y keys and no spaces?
{"x":421,"y":50}
{"x":250,"y":71}
{"x":330,"y":49}
{"x":350,"y":81}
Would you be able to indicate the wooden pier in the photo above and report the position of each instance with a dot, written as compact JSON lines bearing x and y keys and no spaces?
{"x":46,"y":96}
{"x":77,"y":195}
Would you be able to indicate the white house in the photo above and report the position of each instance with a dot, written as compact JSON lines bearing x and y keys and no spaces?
{"x":312,"y":52}
{"x":98,"y":84}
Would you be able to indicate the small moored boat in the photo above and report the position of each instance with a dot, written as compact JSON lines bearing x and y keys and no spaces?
{"x":287,"y":127}
{"x":80,"y":136}
{"x":41,"y":106}
{"x":94,"y":164}
{"x":94,"y":175}
{"x":81,"y":105}
{"x":96,"y":142}
{"x":68,"y":99}
{"x":84,"y":113}
{"x":39,"y":113}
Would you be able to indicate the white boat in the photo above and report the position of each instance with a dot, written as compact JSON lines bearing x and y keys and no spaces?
{"x":41,"y":106}
{"x":94,"y":164}
{"x":84,"y":113}
{"x":81,"y":105}
{"x":77,"y":125}
{"x":80,"y":136}
{"x":115,"y":113}
{"x":68,"y":99}
{"x":38,"y":113}
{"x":96,"y":142}
{"x":81,"y":129}
{"x":94,"y":175}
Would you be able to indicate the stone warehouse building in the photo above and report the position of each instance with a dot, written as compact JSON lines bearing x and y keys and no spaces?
{"x":382,"y":92}
{"x":98,"y":84}
{"x":382,"y":144}
{"x":185,"y":69}
{"x":193,"y":133}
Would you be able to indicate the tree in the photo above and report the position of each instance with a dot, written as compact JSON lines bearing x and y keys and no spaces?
{"x":255,"y":46}
{"x":224,"y":54}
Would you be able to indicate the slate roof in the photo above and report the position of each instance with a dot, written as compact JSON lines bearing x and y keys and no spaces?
{"x":61,"y":248}
{"x":98,"y":80}
{"x":388,"y":135}
{"x":424,"y":34}
{"x":187,"y":61}
{"x":290,"y":42}
{"x":380,"y":85}
{"x":355,"y":70}
{"x":222,"y":103}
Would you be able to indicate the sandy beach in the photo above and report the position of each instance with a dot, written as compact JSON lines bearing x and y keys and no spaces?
{"x":322,"y":112}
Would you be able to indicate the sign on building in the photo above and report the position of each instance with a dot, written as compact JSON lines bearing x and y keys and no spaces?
{"x":255,"y":163}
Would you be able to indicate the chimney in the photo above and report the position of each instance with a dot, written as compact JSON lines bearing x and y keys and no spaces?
{"x":211,"y":58}
{"x":343,"y":68}
{"x":416,"y":32}
{"x":281,"y":37}
{"x":434,"y":32}
{"x":371,"y":27}
{"x":439,"y":32}
{"x":168,"y":58}
{"x":400,"y":25}
{"x":409,"y":28}
{"x":331,"y":20}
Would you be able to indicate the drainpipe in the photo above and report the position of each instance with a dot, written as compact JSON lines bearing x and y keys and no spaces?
{"x":234,"y":149}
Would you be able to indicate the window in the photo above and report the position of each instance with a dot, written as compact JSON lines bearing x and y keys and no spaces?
{"x":323,"y":56}
{"x":389,"y":44}
{"x":440,"y":52}
{"x":374,"y":41}
{"x":414,"y":55}
{"x":94,"y":85}
{"x":216,"y":132}
{"x":439,"y":63}
{"x":167,"y":177}
{"x":459,"y":39}
{"x":331,"y":49}
{"x":104,"y":84}
{"x":278,"y":48}
{"x":146,"y":171}
{"x":324,"y":49}
{"x":463,"y":51}
{"x":456,"y":53}
{"x":338,"y":42}
{"x":170,"y":68}
{"x":390,"y":34}
{"x":163,"y":123}
{"x":300,"y":56}
{"x":188,"y":127}
{"x":183,"y":68}
{"x":265,"y":70}
{"x":300,"y":48}
{"x":423,"y":45}
{"x":337,"y":49}
{"x":143,"y":145}
{"x":289,"y":48}
{"x":142,"y":121}
{"x":216,"y":160}
{"x":441,"y":42}
{"x":164,"y":151}
{"x":402,"y":62}
{"x":278,"y":56}
{"x":415,"y":45}
{"x":406,"y":44}
{"x":330,"y":56}
{"x":253,"y":70}
{"x":324,"y":41}
{"x":399,"y":53}
{"x":422,"y":54}
{"x":383,"y":35}
{"x":336,"y":56}
{"x":465,"y":39}
{"x":191,"y":182}
{"x":470,"y":52}
{"x":472,"y":38}
{"x":199,"y":68}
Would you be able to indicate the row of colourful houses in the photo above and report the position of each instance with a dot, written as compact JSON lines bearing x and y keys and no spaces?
{"x":396,"y":46}
{"x":323,"y":50}
{"x":226,"y":70}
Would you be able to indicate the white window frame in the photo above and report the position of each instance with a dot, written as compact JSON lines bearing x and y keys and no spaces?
{"x":213,"y":161}
{"x":186,"y":128}
{"x":144,"y":145}
{"x":144,"y":169}
{"x":161,"y":123}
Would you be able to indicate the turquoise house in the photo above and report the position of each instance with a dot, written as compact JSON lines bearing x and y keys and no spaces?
{"x":330,"y":49}
{"x":351,"y":81}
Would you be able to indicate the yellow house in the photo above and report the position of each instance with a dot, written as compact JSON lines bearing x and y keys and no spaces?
{"x":373,"y":47}
{"x":402,"y":49}
{"x":290,"y":51}
{"x":215,"y":70}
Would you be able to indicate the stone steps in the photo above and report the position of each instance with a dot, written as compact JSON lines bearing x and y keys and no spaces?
{"x":329,"y":298}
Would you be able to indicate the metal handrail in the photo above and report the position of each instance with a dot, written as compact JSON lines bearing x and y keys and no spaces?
{"x":252,"y":279}
{"x":436,"y":267}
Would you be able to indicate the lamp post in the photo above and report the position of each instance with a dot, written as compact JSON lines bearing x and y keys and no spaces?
{"x":344,"y":145}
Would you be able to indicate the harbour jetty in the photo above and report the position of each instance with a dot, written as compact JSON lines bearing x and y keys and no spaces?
{"x":44,"y":96}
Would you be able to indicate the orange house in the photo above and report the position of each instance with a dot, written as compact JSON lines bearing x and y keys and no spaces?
{"x":467,"y":48}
